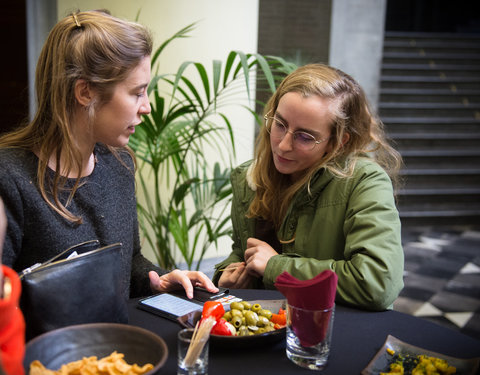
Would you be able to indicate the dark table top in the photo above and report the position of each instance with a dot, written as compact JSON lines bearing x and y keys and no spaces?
{"x":357,"y":336}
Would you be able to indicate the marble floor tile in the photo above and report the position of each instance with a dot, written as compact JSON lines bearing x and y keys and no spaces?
{"x":465,"y":284}
{"x":433,"y":284}
{"x":407,"y":305}
{"x":427,"y":309}
{"x":472,"y":327}
{"x":442,"y":267}
{"x":452,"y":302}
{"x":417,"y":293}
{"x":470,"y":268}
{"x":464,"y":247}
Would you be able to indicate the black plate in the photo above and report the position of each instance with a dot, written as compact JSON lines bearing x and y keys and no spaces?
{"x":72,"y":343}
{"x":243,"y":341}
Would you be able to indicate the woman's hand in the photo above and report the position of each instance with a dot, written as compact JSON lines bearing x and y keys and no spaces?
{"x":235,"y":276}
{"x":187,"y":279}
{"x":257,"y":255}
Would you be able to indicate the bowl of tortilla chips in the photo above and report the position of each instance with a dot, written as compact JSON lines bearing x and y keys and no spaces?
{"x":97,"y":348}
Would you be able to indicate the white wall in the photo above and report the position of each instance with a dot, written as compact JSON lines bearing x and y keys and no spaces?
{"x":223,"y":26}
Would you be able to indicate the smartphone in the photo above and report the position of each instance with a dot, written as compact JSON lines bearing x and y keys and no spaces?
{"x":176,"y":303}
{"x":169,"y":306}
{"x":203,"y":295}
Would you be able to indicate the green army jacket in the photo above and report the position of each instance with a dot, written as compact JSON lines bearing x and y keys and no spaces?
{"x":348,"y":225}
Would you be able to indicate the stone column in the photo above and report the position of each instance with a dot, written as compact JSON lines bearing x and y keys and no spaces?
{"x":356,"y":42}
{"x":41,"y":17}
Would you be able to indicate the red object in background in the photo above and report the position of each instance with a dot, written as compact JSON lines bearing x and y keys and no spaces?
{"x":12,"y":328}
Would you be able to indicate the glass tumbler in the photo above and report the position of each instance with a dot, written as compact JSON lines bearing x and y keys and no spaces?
{"x":309,"y":334}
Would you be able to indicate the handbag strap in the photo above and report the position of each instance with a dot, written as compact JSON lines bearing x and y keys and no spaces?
{"x":82,"y":247}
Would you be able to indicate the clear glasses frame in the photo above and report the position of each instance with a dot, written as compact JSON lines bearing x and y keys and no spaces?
{"x":301,"y":140}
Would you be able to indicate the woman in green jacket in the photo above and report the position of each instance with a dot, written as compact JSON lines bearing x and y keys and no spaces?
{"x":318,"y":194}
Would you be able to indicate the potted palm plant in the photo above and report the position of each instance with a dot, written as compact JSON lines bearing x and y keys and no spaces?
{"x":183,"y":201}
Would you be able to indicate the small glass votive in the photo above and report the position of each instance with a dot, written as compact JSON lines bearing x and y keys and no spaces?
{"x":309,"y":334}
{"x":196,"y":362}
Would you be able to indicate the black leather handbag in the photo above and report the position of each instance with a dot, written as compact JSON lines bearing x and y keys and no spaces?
{"x":82,"y":284}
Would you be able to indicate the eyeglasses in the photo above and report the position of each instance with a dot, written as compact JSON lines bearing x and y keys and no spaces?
{"x":301,"y":140}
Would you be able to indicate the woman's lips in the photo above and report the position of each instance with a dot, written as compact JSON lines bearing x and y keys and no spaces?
{"x":283,"y":160}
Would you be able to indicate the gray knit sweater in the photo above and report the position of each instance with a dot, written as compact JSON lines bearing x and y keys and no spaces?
{"x":106,"y":202}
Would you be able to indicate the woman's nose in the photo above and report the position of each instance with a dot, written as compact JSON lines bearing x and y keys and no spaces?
{"x":286,"y":144}
{"x":145,"y":108}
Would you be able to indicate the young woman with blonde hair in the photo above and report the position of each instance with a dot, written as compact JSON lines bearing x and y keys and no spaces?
{"x":68,"y":176}
{"x":318,"y":194}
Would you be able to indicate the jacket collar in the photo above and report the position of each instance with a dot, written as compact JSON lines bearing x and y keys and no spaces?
{"x":306,"y":195}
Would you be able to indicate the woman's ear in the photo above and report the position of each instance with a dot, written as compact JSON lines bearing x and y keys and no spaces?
{"x":345,"y":138}
{"x":83,"y":92}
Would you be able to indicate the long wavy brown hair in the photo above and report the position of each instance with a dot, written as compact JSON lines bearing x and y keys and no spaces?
{"x":351,"y":115}
{"x":93,"y":46}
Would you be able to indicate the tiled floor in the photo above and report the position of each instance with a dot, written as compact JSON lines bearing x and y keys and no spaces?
{"x":442,"y":277}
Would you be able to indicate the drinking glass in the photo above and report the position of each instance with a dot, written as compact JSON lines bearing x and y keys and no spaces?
{"x":196,"y":364}
{"x":309,"y":334}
